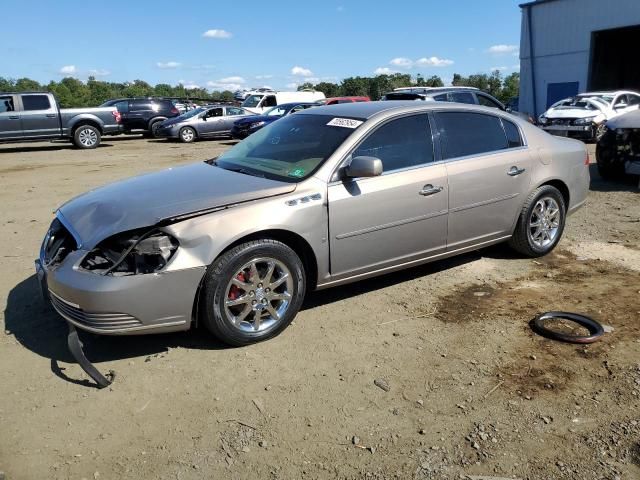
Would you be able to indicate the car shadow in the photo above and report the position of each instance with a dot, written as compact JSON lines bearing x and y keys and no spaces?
{"x":626,"y":183}
{"x":49,"y":147}
{"x":40,"y":329}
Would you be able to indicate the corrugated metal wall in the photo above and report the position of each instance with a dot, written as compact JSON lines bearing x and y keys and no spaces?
{"x":562,"y":42}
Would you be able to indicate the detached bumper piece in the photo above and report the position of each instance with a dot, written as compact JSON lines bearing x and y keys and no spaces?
{"x":75,"y":347}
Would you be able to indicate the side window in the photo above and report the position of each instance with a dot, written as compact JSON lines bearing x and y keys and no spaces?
{"x":269,"y":101}
{"x":140,"y":106}
{"x":621,"y":99}
{"x":123,"y":106}
{"x":487,"y":102}
{"x":6,"y":104}
{"x":514,"y":139}
{"x":633,"y":99}
{"x":469,"y":133}
{"x":297,"y":108}
{"x":461,"y":97}
{"x":441,"y":98}
{"x":35,"y":102}
{"x":402,"y":143}
{"x":234,"y":111}
{"x":214,"y":112}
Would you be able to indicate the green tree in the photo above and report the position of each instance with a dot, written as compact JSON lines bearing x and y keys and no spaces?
{"x":434,"y":81}
{"x":510,"y":87}
{"x":27,"y":85}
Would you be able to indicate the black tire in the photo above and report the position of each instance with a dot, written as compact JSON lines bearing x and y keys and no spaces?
{"x":522,"y":240}
{"x":187,"y":135}
{"x":152,"y":128}
{"x":216,"y":292}
{"x":86,"y":137}
{"x":609,"y":167}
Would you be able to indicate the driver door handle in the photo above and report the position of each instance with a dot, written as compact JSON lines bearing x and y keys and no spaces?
{"x":515,"y":171}
{"x":430,"y":190}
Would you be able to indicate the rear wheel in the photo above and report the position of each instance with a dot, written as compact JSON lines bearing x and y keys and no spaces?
{"x":252,"y":292}
{"x":541,"y":222}
{"x":187,"y":135}
{"x":86,"y":137}
{"x":154,"y":127}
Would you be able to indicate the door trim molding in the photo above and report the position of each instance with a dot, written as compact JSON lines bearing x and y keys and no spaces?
{"x":484,"y":202}
{"x":391,"y":225}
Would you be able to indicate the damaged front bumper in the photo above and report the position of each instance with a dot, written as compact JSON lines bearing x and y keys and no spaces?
{"x":120,"y":305}
{"x":575,"y":131}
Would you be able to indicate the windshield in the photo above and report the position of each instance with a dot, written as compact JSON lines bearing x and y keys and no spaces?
{"x":579,"y":102}
{"x":276,"y":111}
{"x":602,"y":97}
{"x":192,"y":113}
{"x":290,"y":149}
{"x":252,"y":101}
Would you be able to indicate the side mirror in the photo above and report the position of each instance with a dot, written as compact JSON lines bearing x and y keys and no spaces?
{"x":508,"y":109}
{"x":364,"y":167}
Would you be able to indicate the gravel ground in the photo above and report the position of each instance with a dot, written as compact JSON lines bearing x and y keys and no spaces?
{"x":430,"y":373}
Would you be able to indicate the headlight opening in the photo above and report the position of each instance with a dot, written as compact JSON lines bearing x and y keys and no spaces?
{"x":131,"y":253}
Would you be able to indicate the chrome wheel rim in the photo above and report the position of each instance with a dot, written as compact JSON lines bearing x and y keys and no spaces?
{"x":87,"y":137}
{"x":544,"y":223}
{"x":187,"y":134}
{"x":258,"y":295}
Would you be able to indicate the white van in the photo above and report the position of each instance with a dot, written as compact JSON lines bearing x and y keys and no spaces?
{"x":258,"y":102}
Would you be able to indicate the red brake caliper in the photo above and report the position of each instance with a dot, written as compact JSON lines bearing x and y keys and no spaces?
{"x":234,"y":291}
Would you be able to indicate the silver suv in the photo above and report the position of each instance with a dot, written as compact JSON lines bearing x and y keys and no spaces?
{"x":318,"y":199}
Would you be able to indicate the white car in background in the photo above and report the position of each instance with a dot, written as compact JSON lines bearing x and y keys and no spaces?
{"x":584,"y":115}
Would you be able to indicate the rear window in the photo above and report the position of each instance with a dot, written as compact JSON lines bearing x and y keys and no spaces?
{"x":467,"y":133}
{"x":35,"y":102}
{"x":461,"y":97}
{"x":514,"y":139}
{"x":140,"y":105}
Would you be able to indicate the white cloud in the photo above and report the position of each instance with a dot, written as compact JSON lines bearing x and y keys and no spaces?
{"x":99,"y":72}
{"x":401,"y":62}
{"x":301,"y":71}
{"x":234,"y":79}
{"x":168,"y":64}
{"x":433,"y":62}
{"x":292,"y":86}
{"x":383,"y":71}
{"x":203,"y":67}
{"x":68,"y":70}
{"x":217,"y":33}
{"x":502,"y":49}
{"x":263,"y":77}
{"x":191,"y":85}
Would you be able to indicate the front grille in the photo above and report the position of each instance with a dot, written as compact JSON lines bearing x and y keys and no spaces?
{"x":57,"y":244}
{"x":100,"y":321}
{"x":561,"y":121}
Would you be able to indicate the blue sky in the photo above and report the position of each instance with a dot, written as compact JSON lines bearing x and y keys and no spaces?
{"x":227,"y":45}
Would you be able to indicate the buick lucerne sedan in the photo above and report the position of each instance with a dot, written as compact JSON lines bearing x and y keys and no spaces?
{"x":318,"y":199}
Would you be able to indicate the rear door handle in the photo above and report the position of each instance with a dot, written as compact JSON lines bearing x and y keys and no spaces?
{"x":515,"y":171}
{"x":14,"y":117}
{"x":430,"y":190}
{"x":51,"y":115}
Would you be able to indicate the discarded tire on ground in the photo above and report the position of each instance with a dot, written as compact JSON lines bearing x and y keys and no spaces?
{"x":595,"y":329}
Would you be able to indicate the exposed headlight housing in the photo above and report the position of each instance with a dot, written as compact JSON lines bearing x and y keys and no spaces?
{"x":584,"y":121}
{"x":543,"y":120}
{"x":131,"y":253}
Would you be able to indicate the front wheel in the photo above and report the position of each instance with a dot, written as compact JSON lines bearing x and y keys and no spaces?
{"x":187,"y":135}
{"x":541,"y":222}
{"x":86,"y":137}
{"x":252,"y":292}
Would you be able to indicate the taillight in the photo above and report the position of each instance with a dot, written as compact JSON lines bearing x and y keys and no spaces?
{"x":116,"y":116}
{"x":174,"y":110}
{"x":586,"y":158}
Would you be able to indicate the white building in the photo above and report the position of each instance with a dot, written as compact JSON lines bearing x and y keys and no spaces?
{"x":573,"y":46}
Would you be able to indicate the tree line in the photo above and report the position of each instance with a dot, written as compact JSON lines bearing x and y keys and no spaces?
{"x":72,"y":92}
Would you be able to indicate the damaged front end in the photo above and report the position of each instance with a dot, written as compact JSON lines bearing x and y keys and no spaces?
{"x":618,"y":152}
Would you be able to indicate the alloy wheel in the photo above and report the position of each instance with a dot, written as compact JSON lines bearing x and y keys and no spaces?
{"x":544,"y":222}
{"x":88,"y":137}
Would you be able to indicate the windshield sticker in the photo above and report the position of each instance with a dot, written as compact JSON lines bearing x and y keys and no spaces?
{"x":296,"y":172}
{"x":345,"y":122}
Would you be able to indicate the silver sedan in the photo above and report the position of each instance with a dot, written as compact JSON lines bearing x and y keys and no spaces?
{"x":327,"y":196}
{"x":211,"y":121}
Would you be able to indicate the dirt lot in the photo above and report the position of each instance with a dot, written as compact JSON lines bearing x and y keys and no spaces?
{"x":472,"y":390}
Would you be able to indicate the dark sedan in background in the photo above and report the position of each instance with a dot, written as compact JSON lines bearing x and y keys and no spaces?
{"x":244,"y":127}
{"x":210,"y":121}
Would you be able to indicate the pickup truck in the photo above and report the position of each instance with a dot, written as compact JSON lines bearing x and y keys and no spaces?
{"x":37,"y":116}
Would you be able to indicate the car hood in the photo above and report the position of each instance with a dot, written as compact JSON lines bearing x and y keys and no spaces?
{"x":627,"y":120}
{"x":146,"y":200}
{"x":256,"y":118}
{"x":571,"y":113}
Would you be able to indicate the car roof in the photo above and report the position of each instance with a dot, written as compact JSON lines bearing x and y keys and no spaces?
{"x":367,"y":110}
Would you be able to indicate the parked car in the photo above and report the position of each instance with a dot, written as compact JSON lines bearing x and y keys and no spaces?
{"x":618,"y":150}
{"x":244,"y":127}
{"x":212,"y":121}
{"x":37,"y":116}
{"x":583,"y":116}
{"x":260,"y":102}
{"x":470,"y":95}
{"x":336,"y":100}
{"x":143,"y":114}
{"x":327,"y":196}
